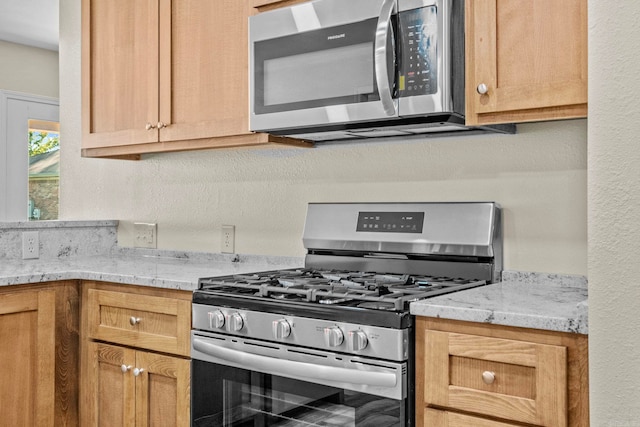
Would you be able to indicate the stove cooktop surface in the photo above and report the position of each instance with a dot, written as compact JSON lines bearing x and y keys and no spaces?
{"x":335,"y":288}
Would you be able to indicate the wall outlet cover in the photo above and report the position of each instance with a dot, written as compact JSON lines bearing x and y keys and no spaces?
{"x":144,"y":235}
{"x":228,"y":239}
{"x":30,"y":245}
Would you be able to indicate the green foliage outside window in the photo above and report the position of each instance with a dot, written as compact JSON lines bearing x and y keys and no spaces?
{"x":43,"y":142}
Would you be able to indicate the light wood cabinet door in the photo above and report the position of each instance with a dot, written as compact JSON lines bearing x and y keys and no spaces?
{"x":110,"y":395}
{"x":531,"y":57}
{"x":204,"y":77}
{"x":502,"y":378}
{"x":130,"y":387}
{"x":119,"y":72}
{"x":137,"y":320}
{"x":492,"y":375}
{"x":162,"y":391}
{"x":27,"y":358}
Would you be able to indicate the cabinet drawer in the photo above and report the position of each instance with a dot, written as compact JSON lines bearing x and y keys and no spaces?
{"x":436,"y":418}
{"x":142,"y":321}
{"x":509,"y":379}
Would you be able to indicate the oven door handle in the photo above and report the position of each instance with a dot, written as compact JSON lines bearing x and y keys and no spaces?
{"x":293,"y":369}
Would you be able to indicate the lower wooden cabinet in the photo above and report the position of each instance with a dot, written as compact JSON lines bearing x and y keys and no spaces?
{"x":438,"y":418}
{"x":38,"y":354}
{"x":127,"y":387}
{"x":135,"y":347}
{"x":488,"y":375}
{"x":27,"y":358}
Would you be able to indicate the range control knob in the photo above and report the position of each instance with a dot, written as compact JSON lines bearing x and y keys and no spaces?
{"x":281,"y":329}
{"x":333,"y":336}
{"x":216,"y":319}
{"x":234,"y":322}
{"x":357,"y":340}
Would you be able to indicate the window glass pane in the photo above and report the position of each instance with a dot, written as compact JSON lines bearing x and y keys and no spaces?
{"x":44,"y":170}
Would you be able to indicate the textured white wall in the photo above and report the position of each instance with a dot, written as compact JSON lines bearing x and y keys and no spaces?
{"x":28,"y":69}
{"x":614,"y":218}
{"x":538,"y":175}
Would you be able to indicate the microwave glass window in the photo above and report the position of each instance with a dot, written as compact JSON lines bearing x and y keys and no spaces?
{"x":418,"y":73}
{"x":325,"y":74}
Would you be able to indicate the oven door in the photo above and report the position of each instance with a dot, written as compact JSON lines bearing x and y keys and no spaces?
{"x":324,"y":62}
{"x":242,"y":382}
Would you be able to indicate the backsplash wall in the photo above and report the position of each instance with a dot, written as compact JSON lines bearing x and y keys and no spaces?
{"x":538,"y":176}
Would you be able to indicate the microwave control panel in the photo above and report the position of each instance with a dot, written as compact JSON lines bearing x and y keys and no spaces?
{"x":417,"y":65}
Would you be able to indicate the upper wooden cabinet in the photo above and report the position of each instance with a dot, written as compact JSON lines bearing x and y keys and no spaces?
{"x":165,"y":75}
{"x":531,"y":57}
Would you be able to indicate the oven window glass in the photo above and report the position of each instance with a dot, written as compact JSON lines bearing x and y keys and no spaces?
{"x":329,"y":73}
{"x":223,"y":396}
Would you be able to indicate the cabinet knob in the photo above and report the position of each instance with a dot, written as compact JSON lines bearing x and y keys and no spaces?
{"x":162,"y":125}
{"x":137,"y":371}
{"x":134,"y":320}
{"x":125,"y":368}
{"x":482,"y":89}
{"x":149,"y":126}
{"x":488,"y":377}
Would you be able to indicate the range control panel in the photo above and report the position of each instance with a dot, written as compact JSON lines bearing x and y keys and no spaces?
{"x":390,"y":222}
{"x":351,"y":338}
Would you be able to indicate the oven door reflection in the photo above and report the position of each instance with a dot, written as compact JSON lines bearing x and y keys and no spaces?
{"x":225,"y":396}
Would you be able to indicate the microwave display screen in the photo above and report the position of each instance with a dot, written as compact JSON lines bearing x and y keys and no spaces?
{"x":322,"y":74}
{"x":417,"y":71}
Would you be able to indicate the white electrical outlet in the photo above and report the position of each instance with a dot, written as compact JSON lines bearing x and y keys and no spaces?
{"x":144,"y":235}
{"x":228,"y":239}
{"x":30,"y":245}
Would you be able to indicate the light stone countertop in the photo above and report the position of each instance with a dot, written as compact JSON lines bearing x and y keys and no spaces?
{"x":179,"y":270}
{"x":530,"y":300}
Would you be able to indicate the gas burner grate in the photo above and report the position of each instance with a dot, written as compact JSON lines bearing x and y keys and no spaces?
{"x":333,"y":287}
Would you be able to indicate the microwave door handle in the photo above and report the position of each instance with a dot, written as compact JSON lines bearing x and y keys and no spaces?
{"x":380,"y":57}
{"x":299,"y":370}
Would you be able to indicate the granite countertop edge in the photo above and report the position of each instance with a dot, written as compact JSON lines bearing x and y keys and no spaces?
{"x":541,"y":301}
{"x":160,"y":269}
{"x":521,"y":299}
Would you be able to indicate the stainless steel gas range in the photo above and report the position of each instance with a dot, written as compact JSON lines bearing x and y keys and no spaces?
{"x":332,"y":344}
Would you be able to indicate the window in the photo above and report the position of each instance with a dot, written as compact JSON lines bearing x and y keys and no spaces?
{"x":44,"y":169}
{"x":20,"y":114}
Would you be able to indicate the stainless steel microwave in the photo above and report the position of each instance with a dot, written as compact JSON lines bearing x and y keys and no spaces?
{"x":334,"y":69}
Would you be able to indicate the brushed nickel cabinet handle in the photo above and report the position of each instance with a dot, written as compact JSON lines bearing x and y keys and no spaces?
{"x":125,"y":368}
{"x":134,"y":320}
{"x":482,"y":89}
{"x":149,"y":126}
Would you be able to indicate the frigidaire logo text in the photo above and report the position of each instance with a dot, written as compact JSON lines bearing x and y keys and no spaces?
{"x":336,"y":36}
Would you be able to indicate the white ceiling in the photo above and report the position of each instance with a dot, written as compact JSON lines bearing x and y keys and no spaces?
{"x":30,"y":22}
